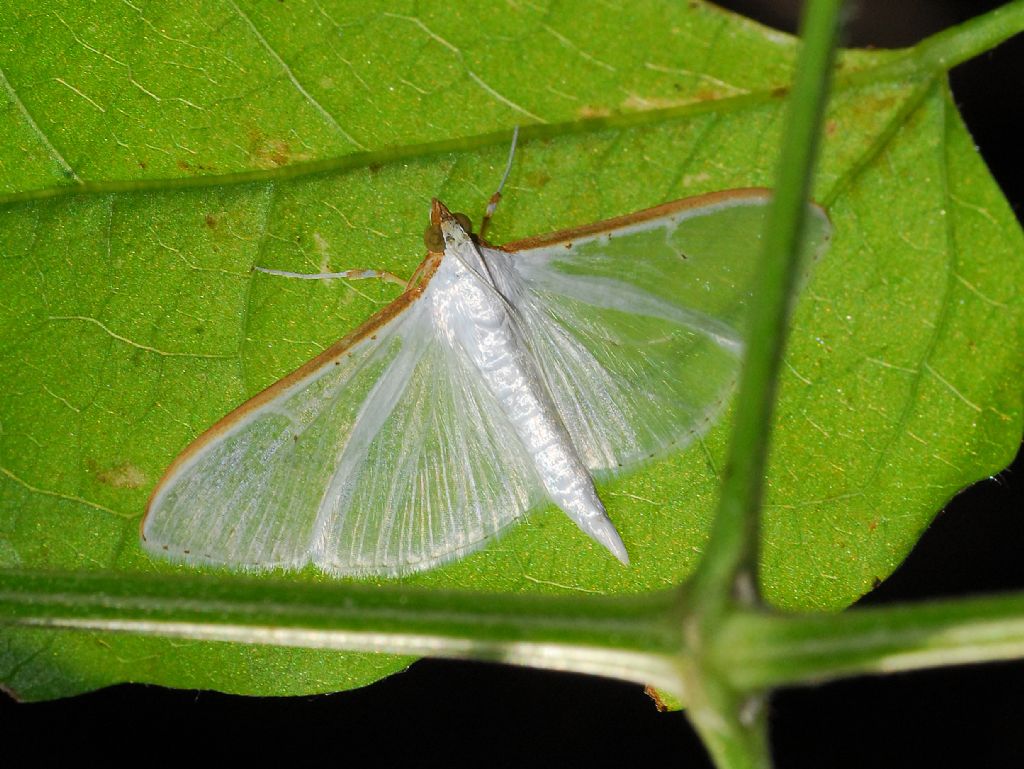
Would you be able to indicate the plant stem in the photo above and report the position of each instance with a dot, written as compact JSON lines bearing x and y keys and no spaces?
{"x":720,"y":712}
{"x":631,"y":637}
{"x":732,"y":725}
{"x":758,"y":650}
{"x":732,"y":547}
{"x":945,"y":50}
{"x":754,"y":650}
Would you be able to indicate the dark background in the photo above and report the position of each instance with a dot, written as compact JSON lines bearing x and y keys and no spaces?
{"x":476,"y":714}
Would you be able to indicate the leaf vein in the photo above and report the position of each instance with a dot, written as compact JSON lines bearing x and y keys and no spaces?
{"x":89,"y":99}
{"x":570,"y":45}
{"x":327,"y":116}
{"x":139,"y":345}
{"x":61,"y":495}
{"x":465,"y":67}
{"x":20,"y":105}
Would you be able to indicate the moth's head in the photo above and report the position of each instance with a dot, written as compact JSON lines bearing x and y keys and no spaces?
{"x":446,"y":227}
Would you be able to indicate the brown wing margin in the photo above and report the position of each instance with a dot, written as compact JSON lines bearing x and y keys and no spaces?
{"x":606,"y":225}
{"x":372,"y":325}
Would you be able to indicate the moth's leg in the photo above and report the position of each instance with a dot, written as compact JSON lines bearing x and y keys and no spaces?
{"x":384,"y":275}
{"x":415,"y":280}
{"x":492,"y":204}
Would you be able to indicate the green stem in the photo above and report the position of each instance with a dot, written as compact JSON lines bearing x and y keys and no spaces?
{"x":721,"y":713}
{"x":732,"y":725}
{"x":759,"y":650}
{"x":731,"y":549}
{"x":636,"y":637}
{"x":945,"y":50}
{"x":754,"y":650}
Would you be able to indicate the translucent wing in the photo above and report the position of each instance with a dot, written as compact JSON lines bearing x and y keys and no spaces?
{"x":429,"y":480}
{"x":637,"y":323}
{"x":247,"y":492}
{"x":388,"y":454}
{"x":384,"y":458}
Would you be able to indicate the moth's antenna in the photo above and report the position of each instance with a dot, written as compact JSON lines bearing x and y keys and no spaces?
{"x":492,"y":204}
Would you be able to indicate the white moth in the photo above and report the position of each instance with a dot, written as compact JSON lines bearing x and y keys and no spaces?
{"x":501,"y":379}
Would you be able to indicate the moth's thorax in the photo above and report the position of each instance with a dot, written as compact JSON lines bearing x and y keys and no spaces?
{"x":471,"y":311}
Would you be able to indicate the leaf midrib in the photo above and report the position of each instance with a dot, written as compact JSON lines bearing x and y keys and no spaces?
{"x":925,"y":61}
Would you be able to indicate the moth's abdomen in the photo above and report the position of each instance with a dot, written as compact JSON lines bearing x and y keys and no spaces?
{"x":482,"y":325}
{"x":488,"y":335}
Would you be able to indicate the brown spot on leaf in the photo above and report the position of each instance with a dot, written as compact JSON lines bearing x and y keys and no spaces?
{"x":592,"y":110}
{"x":194,"y":168}
{"x":637,"y":103}
{"x":709,"y":94}
{"x":122,"y":476}
{"x":538,"y":179}
{"x":267,"y":152}
{"x":211,"y":221}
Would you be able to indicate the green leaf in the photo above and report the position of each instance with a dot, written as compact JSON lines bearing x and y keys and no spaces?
{"x":150,"y":157}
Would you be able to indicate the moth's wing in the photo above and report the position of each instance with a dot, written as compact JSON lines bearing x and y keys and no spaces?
{"x":638,"y":322}
{"x":387,"y":459}
{"x":246,"y":494}
{"x":433,"y":471}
